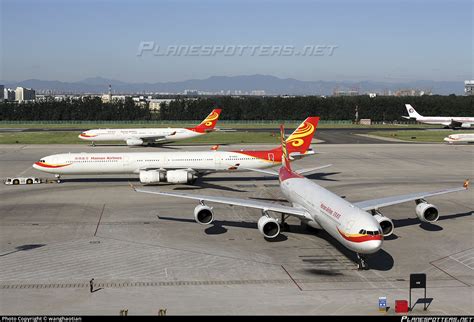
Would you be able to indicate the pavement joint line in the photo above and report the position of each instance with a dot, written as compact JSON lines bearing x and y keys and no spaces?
{"x":461,"y":263}
{"x":100,"y":218}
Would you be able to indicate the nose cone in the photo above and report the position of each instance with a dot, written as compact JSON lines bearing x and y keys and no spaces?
{"x":35,"y":165}
{"x":83,"y":136}
{"x":370,"y":246}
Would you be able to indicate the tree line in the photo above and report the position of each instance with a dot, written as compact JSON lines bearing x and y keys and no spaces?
{"x":380,"y":108}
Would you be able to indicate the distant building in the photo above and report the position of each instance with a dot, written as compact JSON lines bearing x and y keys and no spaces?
{"x":9,"y":94}
{"x":2,"y":95}
{"x":345,"y":93}
{"x":24,"y":94}
{"x":155,"y":104}
{"x":192,"y":92}
{"x":469,"y":87}
{"x":107,"y":98}
{"x":412,"y":92}
{"x":257,"y":92}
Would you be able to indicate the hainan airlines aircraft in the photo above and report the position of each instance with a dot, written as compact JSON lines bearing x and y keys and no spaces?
{"x":358,"y":226}
{"x":178,"y":167}
{"x":460,"y":138}
{"x":448,"y":121}
{"x":152,"y":135}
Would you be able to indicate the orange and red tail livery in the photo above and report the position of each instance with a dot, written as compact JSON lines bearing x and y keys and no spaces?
{"x":300,"y":139}
{"x":285,"y":159}
{"x":209,"y":122}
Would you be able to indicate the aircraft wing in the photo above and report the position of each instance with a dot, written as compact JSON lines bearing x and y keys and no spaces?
{"x":266,"y":206}
{"x":394,"y":200}
{"x":454,"y":124}
{"x":304,"y":171}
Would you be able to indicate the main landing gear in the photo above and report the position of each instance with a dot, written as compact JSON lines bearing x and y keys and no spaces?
{"x":92,"y":143}
{"x":283,"y":224}
{"x":362,"y":264}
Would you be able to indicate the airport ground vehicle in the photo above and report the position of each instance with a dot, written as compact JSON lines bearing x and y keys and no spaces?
{"x":22,"y":180}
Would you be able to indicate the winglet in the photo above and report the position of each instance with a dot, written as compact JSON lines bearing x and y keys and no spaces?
{"x":466,"y":184}
{"x":215,"y":147}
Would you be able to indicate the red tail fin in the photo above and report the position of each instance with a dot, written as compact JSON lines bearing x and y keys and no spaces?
{"x":285,"y":159}
{"x":300,"y":139}
{"x":209,"y":122}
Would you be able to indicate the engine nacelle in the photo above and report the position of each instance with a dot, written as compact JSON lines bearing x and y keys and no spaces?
{"x":385,"y":223}
{"x":180,"y":176}
{"x":203,"y":214}
{"x":466,"y":125}
{"x":134,"y":142}
{"x":152,"y":176}
{"x":268,"y":226}
{"x":426,"y":212}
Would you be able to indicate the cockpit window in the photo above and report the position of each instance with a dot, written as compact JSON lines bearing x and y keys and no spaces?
{"x":42,"y":160}
{"x":370,"y":232}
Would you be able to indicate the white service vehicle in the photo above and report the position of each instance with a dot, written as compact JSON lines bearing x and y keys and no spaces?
{"x":22,"y":180}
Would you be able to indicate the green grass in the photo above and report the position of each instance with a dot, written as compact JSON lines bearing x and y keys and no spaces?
{"x":415,"y":136}
{"x":71,"y":138}
{"x":222,"y":124}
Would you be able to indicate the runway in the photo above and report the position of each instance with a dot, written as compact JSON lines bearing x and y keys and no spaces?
{"x":146,"y":252}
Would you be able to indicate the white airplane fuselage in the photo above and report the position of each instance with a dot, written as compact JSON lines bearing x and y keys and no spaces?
{"x":168,"y":134}
{"x":446,"y":121}
{"x":353,"y":227}
{"x":132,"y":163}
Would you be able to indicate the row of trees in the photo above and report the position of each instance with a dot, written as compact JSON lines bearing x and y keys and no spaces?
{"x":87,"y":108}
{"x":382,"y":108}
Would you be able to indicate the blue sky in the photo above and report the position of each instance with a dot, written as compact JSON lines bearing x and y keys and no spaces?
{"x":376,"y":40}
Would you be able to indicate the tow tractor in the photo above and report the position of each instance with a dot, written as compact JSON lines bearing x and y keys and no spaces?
{"x":23,"y":180}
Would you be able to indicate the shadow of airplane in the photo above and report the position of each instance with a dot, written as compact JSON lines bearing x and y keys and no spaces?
{"x":428,"y":226}
{"x":381,"y":261}
{"x":315,"y":176}
{"x":24,"y":248}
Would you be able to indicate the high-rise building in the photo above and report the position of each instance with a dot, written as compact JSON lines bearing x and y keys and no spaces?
{"x":9,"y":94}
{"x":469,"y":87}
{"x":2,"y":95}
{"x":24,"y":94}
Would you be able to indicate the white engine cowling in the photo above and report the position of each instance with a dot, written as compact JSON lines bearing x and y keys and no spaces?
{"x":134,"y":142}
{"x":180,"y":176}
{"x":385,"y":223}
{"x":426,"y":212}
{"x":203,"y":214}
{"x":268,"y":226}
{"x":152,"y":176}
{"x":466,"y":125}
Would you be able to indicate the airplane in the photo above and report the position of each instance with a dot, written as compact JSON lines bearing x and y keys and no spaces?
{"x":178,"y":167}
{"x":448,"y":121}
{"x":460,"y":138}
{"x":358,"y":226}
{"x":143,"y":136}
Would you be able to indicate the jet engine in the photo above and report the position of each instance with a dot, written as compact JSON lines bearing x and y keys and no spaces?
{"x":180,"y":176}
{"x":426,"y":212}
{"x":203,"y":214}
{"x":385,"y":223}
{"x":152,"y":176}
{"x":134,"y":142}
{"x":268,"y":226}
{"x":172,"y":176}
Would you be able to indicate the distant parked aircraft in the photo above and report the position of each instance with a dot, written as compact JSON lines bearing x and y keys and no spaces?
{"x":143,"y":136}
{"x":448,"y":121}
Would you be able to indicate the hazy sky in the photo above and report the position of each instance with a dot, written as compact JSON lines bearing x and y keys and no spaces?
{"x":376,"y":40}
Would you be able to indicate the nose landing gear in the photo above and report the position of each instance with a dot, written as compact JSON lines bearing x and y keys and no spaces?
{"x":362,"y":264}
